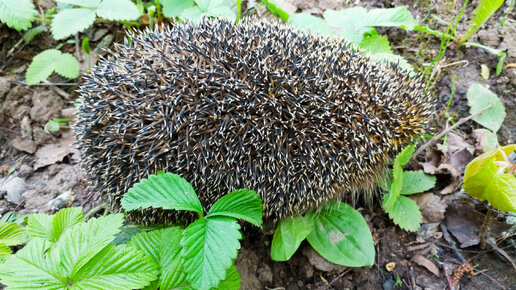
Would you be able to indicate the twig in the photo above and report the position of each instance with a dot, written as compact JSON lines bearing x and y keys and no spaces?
{"x":503,"y":253}
{"x":484,"y":228}
{"x":447,"y":275}
{"x":496,"y":282}
{"x":9,"y":130}
{"x":336,"y":279}
{"x":451,"y":242}
{"x":447,"y":130}
{"x":43,"y":84}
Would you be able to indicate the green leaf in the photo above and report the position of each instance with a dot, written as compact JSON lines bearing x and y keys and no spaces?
{"x":488,"y":139}
{"x":51,"y":60}
{"x":17,"y":14}
{"x":86,"y":240}
{"x":209,"y":247}
{"x":416,"y":182}
{"x":310,"y":22}
{"x":501,"y":192}
{"x":341,"y":235}
{"x":404,"y":156}
{"x":218,"y":8}
{"x":379,"y":49}
{"x":484,"y":10}
{"x":288,"y":236}
{"x":174,"y":8}
{"x":242,"y":204}
{"x":5,"y":253}
{"x":406,"y":214}
{"x":117,"y":10}
{"x":117,"y":267}
{"x":34,"y":267}
{"x":480,"y":97}
{"x":11,"y":234}
{"x":64,"y":219}
{"x":86,"y":45}
{"x":82,"y":3}
{"x":232,"y":280}
{"x":275,"y":9}
{"x":71,"y":21}
{"x":164,"y":247}
{"x":40,"y":226}
{"x":31,"y":33}
{"x":167,"y":191}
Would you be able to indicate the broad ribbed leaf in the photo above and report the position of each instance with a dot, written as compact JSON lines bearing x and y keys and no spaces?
{"x":33,"y":267}
{"x":501,"y":192}
{"x":209,"y":247}
{"x":164,"y":247}
{"x":65,"y":219}
{"x":86,"y":240}
{"x":288,"y":236}
{"x":40,"y":226}
{"x":480,"y":97}
{"x":11,"y":234}
{"x":17,"y":14}
{"x":67,"y":66}
{"x":117,"y":267}
{"x":341,"y":235}
{"x":406,"y":214}
{"x":117,"y":10}
{"x":167,"y":191}
{"x":242,"y":204}
{"x":174,"y":8}
{"x":416,"y":182}
{"x":232,"y":280}
{"x":70,"y":21}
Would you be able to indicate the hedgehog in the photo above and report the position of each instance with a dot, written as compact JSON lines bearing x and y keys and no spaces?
{"x":299,"y":118}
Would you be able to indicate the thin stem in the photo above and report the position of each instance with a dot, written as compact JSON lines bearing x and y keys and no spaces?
{"x":42,"y":20}
{"x":484,"y":227}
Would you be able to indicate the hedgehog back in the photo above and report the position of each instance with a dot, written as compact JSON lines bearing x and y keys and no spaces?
{"x":297,"y":118}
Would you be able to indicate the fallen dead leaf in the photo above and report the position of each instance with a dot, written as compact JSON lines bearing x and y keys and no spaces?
{"x":432,"y":207}
{"x":52,"y":153}
{"x":460,"y":159}
{"x":422,"y":261}
{"x":24,"y":144}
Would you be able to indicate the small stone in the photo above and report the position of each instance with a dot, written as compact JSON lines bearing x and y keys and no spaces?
{"x":63,"y":200}
{"x":13,"y":187}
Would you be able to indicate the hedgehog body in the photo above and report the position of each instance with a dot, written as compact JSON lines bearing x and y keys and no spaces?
{"x":298,"y":118}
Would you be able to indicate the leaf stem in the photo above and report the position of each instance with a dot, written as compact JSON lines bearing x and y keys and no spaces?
{"x":42,"y":20}
{"x":484,"y":227}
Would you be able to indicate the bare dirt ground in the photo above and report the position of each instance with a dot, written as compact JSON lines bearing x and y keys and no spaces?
{"x":48,"y":174}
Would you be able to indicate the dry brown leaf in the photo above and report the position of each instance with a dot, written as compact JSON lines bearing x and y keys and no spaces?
{"x":422,"y":261}
{"x":432,"y":207}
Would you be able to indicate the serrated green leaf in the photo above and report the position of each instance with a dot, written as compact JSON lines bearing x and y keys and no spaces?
{"x":174,"y":8}
{"x":17,"y":14}
{"x":5,"y":253}
{"x":341,"y":235}
{"x":310,"y":22}
{"x":86,"y":240}
{"x":117,"y":267}
{"x":71,"y":21}
{"x":416,"y":182}
{"x":49,"y":60}
{"x":232,"y":280}
{"x":288,"y":236}
{"x":404,"y":156}
{"x":480,"y":97}
{"x":167,"y":191}
{"x":242,"y":204}
{"x":406,"y":214}
{"x":218,"y":8}
{"x":117,"y":10}
{"x":33,"y":267}
{"x":501,"y":192}
{"x":379,"y":49}
{"x":164,"y":247}
{"x":484,"y":10}
{"x":209,"y":247}
{"x":64,"y":219}
{"x":11,"y":234}
{"x":40,"y":226}
{"x":82,"y":3}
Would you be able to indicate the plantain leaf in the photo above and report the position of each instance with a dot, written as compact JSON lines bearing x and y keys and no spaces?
{"x":480,"y":97}
{"x":288,"y":236}
{"x":167,"y":191}
{"x":242,"y":204}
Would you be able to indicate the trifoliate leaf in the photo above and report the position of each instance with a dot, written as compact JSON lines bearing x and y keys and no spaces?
{"x":5,"y":253}
{"x":480,"y":97}
{"x":406,"y":214}
{"x":167,"y":191}
{"x":117,"y":10}
{"x":174,"y":8}
{"x":86,"y":240}
{"x":64,"y":219}
{"x":117,"y":267}
{"x":34,"y":266}
{"x":242,"y":204}
{"x":40,"y":226}
{"x":341,"y":235}
{"x":11,"y":234}
{"x":501,"y":192}
{"x":416,"y":182}
{"x":17,"y":14}
{"x":312,"y":23}
{"x":164,"y":247}
{"x":49,"y":61}
{"x":209,"y":247}
{"x":288,"y":236}
{"x":71,"y":21}
{"x":232,"y":280}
